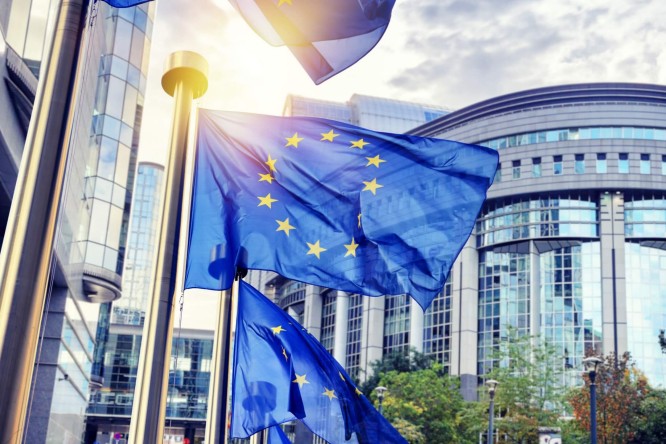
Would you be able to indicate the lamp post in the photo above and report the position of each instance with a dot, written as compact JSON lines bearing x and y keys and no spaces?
{"x":380,"y":396}
{"x":591,"y":363}
{"x":492,"y":385}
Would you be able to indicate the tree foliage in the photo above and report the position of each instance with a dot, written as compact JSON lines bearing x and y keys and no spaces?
{"x":530,"y":391}
{"x":398,"y":362}
{"x":650,"y":425}
{"x":621,"y":389}
{"x":426,"y":399}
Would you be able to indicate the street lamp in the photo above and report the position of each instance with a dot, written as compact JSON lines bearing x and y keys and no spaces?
{"x":492,"y":385}
{"x":591,"y":363}
{"x":380,"y":396}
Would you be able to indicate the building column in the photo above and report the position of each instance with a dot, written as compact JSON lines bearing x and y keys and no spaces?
{"x":613,"y":282}
{"x":535,"y":293}
{"x":372,"y":333}
{"x":416,"y":318}
{"x":341,"y":327}
{"x":464,"y":322}
{"x":312,"y":310}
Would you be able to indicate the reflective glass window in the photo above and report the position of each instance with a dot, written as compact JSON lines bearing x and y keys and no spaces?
{"x":123,"y":37}
{"x":107,"y":158}
{"x":623,"y":163}
{"x":557,"y":165}
{"x":579,"y":166}
{"x":99,"y":221}
{"x":516,"y":169}
{"x":601,"y":163}
{"x":645,"y":164}
{"x":114,"y":99}
{"x":536,"y":167}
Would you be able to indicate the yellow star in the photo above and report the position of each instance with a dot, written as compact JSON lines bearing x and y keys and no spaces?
{"x":329,"y":393}
{"x":358,"y":392}
{"x":375,"y":161}
{"x":300,"y":380}
{"x":328,"y":136}
{"x":284,"y":353}
{"x":271,"y":163}
{"x":284,"y":1}
{"x":277,"y":330}
{"x":351,"y":248}
{"x":315,"y":249}
{"x":360,"y":143}
{"x":265,"y":178}
{"x":371,"y":186}
{"x":267,"y":200}
{"x":283,"y":225}
{"x":293,"y":140}
{"x":359,"y":220}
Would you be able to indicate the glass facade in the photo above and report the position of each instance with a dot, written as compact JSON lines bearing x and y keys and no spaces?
{"x":114,"y":142}
{"x":587,"y":133}
{"x":437,"y":328}
{"x":141,"y":244}
{"x":646,"y":308}
{"x":570,"y":303}
{"x":504,"y":301}
{"x":532,"y":218}
{"x":396,"y":323}
{"x":327,"y":336}
{"x":645,"y":216}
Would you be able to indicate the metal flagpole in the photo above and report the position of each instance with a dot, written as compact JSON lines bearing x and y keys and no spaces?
{"x":185,"y":78}
{"x":27,"y":251}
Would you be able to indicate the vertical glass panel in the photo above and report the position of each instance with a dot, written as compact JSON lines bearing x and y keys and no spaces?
{"x":99,"y":221}
{"x":623,"y":163}
{"x":129,"y":108}
{"x":118,"y":198}
{"x":95,"y":254}
{"x":103,"y":189}
{"x":115,"y":223}
{"x":107,"y":158}
{"x":114,"y":99}
{"x":136,"y":52}
{"x":645,"y":164}
{"x":601,"y":163}
{"x":122,"y":164}
{"x":123,"y":41}
{"x":111,"y":127}
{"x":119,"y":68}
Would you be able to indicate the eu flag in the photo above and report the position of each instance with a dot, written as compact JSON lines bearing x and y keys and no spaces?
{"x":125,"y":3}
{"x":325,"y":36}
{"x":282,"y":373}
{"x":331,"y":204}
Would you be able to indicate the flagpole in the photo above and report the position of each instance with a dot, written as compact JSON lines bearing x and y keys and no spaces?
{"x":185,"y":78}
{"x":27,"y":255}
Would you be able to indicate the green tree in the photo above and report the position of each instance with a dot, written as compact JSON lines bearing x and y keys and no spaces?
{"x":426,"y":399}
{"x":530,"y":392}
{"x":651,"y":422}
{"x":621,"y":389}
{"x":396,"y":361}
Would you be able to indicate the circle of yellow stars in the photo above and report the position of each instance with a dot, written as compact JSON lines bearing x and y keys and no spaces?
{"x":285,"y":226}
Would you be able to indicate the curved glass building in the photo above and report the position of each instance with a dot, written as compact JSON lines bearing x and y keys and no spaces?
{"x":571,"y":243}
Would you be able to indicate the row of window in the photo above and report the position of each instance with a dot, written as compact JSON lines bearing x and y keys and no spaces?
{"x":581,"y":166}
{"x":591,"y":133}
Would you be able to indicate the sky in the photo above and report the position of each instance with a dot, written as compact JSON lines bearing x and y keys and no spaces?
{"x":450,"y":53}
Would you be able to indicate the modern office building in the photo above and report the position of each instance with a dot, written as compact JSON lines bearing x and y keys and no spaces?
{"x":375,"y":113}
{"x":120,"y":331}
{"x":94,"y":211}
{"x":570,"y":245}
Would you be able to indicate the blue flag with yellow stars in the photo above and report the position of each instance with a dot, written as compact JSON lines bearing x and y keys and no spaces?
{"x":325,"y":36}
{"x":331,"y":204}
{"x":125,"y":3}
{"x":282,"y":373}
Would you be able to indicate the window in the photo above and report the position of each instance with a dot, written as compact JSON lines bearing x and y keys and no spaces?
{"x":557,"y":165}
{"x":579,"y":166}
{"x":516,"y":169}
{"x":601,"y":163}
{"x":663,"y":165}
{"x":645,"y":164}
{"x":536,"y":167}
{"x":623,"y":164}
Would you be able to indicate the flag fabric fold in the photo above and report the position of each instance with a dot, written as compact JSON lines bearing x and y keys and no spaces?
{"x":125,"y":3}
{"x":325,"y":36}
{"x":331,"y":204}
{"x":282,"y":373}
